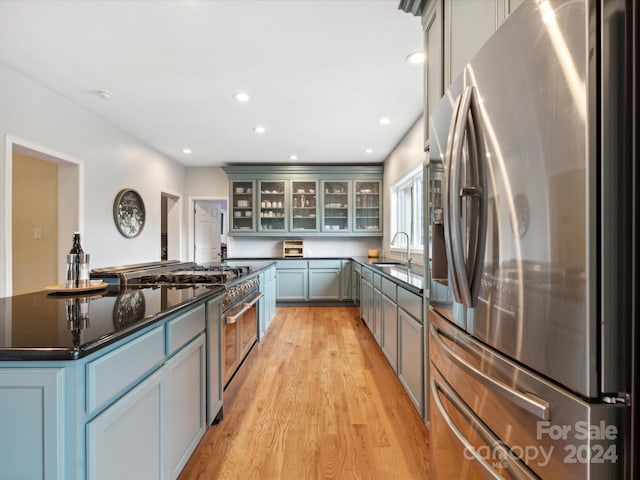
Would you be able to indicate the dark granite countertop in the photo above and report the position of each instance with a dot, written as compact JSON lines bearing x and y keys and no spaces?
{"x":411,"y":278}
{"x":38,"y":326}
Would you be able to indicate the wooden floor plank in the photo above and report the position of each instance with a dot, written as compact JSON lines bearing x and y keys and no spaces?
{"x":320,"y":401}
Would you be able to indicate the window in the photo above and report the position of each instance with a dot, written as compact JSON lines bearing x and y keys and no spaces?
{"x":407,"y":210}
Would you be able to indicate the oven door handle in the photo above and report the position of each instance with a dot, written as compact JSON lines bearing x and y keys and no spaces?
{"x":228,"y":319}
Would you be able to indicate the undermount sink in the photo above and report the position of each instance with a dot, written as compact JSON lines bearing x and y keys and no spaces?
{"x":389,"y":264}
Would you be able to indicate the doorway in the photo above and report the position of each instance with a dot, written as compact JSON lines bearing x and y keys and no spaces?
{"x":169,"y":226}
{"x":209,"y":234}
{"x":43,"y":198}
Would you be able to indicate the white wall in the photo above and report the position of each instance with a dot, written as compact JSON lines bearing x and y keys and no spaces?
{"x":112,"y":160}
{"x":408,"y":154}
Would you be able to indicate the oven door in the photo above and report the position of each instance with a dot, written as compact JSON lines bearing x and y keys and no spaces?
{"x":240,"y":333}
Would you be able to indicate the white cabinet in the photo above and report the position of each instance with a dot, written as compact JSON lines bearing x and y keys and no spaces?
{"x":185,"y":412}
{"x":32,"y":405}
{"x":125,"y":441}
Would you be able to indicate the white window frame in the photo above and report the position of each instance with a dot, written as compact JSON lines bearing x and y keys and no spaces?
{"x":414,"y":181}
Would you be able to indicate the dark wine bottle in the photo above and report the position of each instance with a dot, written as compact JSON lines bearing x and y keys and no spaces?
{"x":76,"y":248}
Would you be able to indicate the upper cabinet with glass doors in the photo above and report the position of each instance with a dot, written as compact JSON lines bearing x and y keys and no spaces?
{"x":368,"y":207}
{"x":336,"y":203}
{"x":304,"y":206}
{"x":242,"y":206}
{"x":272,"y":200}
{"x":305,"y":200}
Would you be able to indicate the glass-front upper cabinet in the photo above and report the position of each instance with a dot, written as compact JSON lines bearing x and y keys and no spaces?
{"x":335,"y":205}
{"x":242,"y":206}
{"x":304,"y":206}
{"x":368,"y":208}
{"x":272,"y":205}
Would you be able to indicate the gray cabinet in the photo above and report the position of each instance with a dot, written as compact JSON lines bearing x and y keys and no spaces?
{"x":241,"y":211}
{"x":125,"y":441}
{"x":324,"y":279}
{"x":390,"y":323}
{"x":411,"y":346}
{"x":304,"y":206}
{"x":377,"y":308}
{"x":432,"y":24}
{"x":214,"y":358}
{"x":345,"y":280}
{"x":33,"y":403}
{"x":272,"y":205}
{"x":411,"y":362}
{"x":292,"y":280}
{"x":267,"y":304}
{"x":313,"y":280}
{"x":185,"y":409}
{"x":337,"y":200}
{"x":336,"y":206}
{"x":468,"y":25}
{"x":454,"y":30}
{"x":356,"y":282}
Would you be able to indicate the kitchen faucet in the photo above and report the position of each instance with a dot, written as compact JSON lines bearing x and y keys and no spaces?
{"x":406,"y":235}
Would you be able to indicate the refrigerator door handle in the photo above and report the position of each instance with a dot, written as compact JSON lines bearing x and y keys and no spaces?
{"x":478,"y":236}
{"x":468,"y":265}
{"x":449,"y":196}
{"x":527,"y":401}
{"x":514,"y":467}
{"x":455,"y":245}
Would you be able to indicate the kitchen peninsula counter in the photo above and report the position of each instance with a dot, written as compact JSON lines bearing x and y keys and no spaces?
{"x":36,"y":326}
{"x":410,"y":278}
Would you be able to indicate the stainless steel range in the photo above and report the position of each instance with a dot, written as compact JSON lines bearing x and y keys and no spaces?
{"x":239,"y":315}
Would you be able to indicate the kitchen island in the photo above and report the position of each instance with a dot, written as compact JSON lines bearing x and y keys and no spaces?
{"x":113,"y":383}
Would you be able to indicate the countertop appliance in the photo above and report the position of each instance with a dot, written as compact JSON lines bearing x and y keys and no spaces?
{"x":532,"y":309}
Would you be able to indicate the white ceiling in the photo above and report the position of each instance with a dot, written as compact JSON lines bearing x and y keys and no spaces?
{"x":320,"y":73}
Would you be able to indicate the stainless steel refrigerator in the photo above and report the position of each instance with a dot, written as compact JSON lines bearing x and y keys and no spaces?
{"x":532,"y":250}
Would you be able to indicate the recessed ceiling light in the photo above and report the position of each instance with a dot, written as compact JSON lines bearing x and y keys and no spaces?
{"x":416,"y":57}
{"x":186,"y":151}
{"x":241,"y":97}
{"x":293,"y":157}
{"x":104,"y":94}
{"x":385,"y":121}
{"x":368,"y":150}
{"x":260,"y":129}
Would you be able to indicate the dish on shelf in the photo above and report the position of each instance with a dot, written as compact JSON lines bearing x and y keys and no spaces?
{"x":365,"y":190}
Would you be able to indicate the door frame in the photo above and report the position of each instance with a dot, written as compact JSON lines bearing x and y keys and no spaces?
{"x":191,"y":225}
{"x":70,"y":200}
{"x":174,"y":224}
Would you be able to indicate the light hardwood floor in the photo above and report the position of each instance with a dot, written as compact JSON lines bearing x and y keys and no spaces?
{"x":320,"y":401}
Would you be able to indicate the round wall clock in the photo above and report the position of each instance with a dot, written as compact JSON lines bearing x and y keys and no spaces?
{"x":129,"y":213}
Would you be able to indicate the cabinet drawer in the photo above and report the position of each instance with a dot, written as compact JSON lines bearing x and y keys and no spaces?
{"x":389,"y":289}
{"x":411,"y":303}
{"x":291,"y":264}
{"x":324,"y":264}
{"x":184,"y":328}
{"x":111,"y":374}
{"x":377,"y":281}
{"x":367,"y":275}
